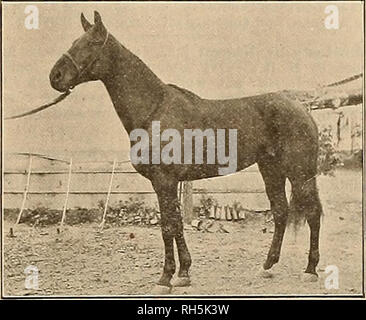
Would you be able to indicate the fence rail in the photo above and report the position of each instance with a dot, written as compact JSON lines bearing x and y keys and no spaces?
{"x":136,"y":192}
{"x":41,"y":172}
{"x":81,"y":184}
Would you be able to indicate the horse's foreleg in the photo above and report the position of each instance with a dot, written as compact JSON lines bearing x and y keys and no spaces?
{"x":167,"y":208}
{"x":184,"y":258}
{"x":172,"y":228}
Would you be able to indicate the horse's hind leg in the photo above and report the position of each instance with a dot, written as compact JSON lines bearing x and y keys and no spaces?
{"x":274,"y":180}
{"x":305,"y":201}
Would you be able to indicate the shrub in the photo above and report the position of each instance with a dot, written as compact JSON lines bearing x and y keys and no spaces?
{"x":132,"y":211}
{"x":328,"y":160}
{"x":206,"y":203}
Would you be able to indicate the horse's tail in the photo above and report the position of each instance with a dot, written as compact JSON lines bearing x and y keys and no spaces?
{"x":304,"y":203}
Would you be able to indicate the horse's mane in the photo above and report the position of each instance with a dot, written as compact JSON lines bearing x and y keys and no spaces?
{"x":189,"y":94}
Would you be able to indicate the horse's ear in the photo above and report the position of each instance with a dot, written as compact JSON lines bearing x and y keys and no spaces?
{"x":99,"y":24}
{"x":97,"y":18}
{"x":85,"y":23}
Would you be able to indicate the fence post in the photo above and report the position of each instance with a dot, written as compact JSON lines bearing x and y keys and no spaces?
{"x":108,"y":196}
{"x":25,"y":190}
{"x":188,"y":214}
{"x":180,"y":187}
{"x":351,"y":134}
{"x":67,"y":194}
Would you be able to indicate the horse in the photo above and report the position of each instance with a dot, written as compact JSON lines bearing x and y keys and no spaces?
{"x":274,"y":132}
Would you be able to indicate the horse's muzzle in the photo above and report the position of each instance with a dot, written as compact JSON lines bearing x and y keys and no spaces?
{"x":61,"y":78}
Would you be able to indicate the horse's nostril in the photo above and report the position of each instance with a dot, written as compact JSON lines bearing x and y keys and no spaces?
{"x":57,"y":76}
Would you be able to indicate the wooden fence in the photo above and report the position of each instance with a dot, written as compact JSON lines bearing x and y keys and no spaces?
{"x":61,"y":184}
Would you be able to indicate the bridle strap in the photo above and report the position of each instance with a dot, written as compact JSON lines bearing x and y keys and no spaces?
{"x":78,"y":67}
{"x":69,"y":56}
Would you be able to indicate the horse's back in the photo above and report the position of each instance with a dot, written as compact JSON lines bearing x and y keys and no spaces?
{"x":258,"y":117}
{"x":187,"y":93}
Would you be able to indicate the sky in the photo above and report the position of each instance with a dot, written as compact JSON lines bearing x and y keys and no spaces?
{"x":217,"y":50}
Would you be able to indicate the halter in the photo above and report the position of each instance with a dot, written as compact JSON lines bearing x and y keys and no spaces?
{"x":78,"y":67}
{"x":80,"y":71}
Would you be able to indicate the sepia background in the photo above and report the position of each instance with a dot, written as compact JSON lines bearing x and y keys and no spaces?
{"x":217,"y":50}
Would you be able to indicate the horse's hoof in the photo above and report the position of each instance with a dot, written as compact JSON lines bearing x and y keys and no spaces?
{"x":159,"y":290}
{"x":266,"y":274}
{"x":181,"y":282}
{"x":271,"y":260}
{"x":309,"y":277}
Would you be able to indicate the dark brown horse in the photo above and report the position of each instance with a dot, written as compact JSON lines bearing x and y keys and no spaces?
{"x":272,"y":131}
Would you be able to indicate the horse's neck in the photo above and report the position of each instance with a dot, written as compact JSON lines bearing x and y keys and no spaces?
{"x":135,"y":90}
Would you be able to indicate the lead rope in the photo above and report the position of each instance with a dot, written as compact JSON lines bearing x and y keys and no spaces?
{"x":65,"y":94}
{"x":45,"y":106}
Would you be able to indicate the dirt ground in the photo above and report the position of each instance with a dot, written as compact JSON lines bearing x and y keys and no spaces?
{"x":80,"y":261}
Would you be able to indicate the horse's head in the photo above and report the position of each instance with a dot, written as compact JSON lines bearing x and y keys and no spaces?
{"x":85,"y":60}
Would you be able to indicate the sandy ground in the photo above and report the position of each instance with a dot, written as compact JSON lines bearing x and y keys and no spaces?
{"x":81,"y":261}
